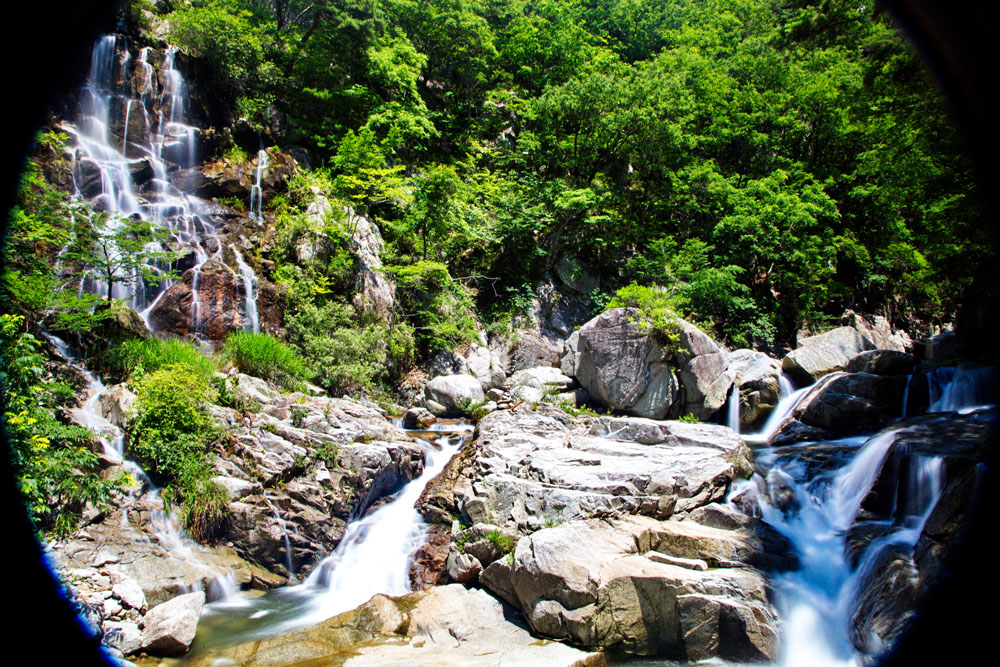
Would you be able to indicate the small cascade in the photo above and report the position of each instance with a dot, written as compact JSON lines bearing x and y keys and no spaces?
{"x":249,"y":292}
{"x":789,"y":399}
{"x":819,"y":514}
{"x":374,"y":556}
{"x":256,"y":193}
{"x":164,"y":527}
{"x":284,"y":533}
{"x":733,"y":409}
{"x":960,"y":389}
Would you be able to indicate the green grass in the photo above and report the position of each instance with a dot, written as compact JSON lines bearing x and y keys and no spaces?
{"x":136,"y":358}
{"x":264,"y":356}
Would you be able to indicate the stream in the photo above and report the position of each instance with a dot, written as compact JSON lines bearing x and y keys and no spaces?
{"x":374,"y":556}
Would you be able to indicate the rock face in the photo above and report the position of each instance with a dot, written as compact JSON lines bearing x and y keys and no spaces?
{"x":628,"y":369}
{"x":445,"y":625}
{"x":170,"y":627}
{"x":532,"y":468}
{"x":453,"y":395}
{"x":642,"y":587}
{"x":824,"y":353}
{"x":301,"y":467}
{"x":205,"y":301}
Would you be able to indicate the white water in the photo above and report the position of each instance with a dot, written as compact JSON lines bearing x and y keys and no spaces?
{"x":959,"y":389}
{"x":256,"y":193}
{"x":164,"y":528}
{"x":733,"y":409}
{"x":119,"y":91}
{"x":373,"y":557}
{"x":249,"y":291}
{"x":816,"y":601}
{"x":789,"y":398}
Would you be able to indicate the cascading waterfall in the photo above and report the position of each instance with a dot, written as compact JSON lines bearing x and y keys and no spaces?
{"x":733,"y":409}
{"x":249,"y":291}
{"x":130,"y":120}
{"x":165,"y":529}
{"x":256,"y":193}
{"x":374,"y":556}
{"x":817,"y":601}
{"x":789,"y":397}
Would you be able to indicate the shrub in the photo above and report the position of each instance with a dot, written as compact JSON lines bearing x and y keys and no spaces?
{"x":171,"y":437}
{"x":264,"y":356}
{"x":135,"y":358}
{"x":55,"y":470}
{"x":657,"y":313}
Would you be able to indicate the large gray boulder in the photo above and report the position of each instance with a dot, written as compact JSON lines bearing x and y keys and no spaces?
{"x":630,"y":369}
{"x":642,"y":587}
{"x":453,"y":395}
{"x":824,"y":353}
{"x":171,"y":626}
{"x":848,"y":403}
{"x":528,"y":469}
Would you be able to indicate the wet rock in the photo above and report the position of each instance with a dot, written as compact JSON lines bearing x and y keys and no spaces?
{"x":824,"y":353}
{"x":444,"y":625}
{"x":850,"y":403}
{"x":170,"y":627}
{"x":756,"y":375}
{"x":117,"y":402}
{"x":418,"y":418}
{"x":206,"y":301}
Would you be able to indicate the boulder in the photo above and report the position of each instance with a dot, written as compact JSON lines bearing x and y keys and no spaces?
{"x":205,"y":301}
{"x":848,"y":403}
{"x":529,"y":469}
{"x":620,"y":595}
{"x":374,"y":292}
{"x":117,"y":402}
{"x":533,"y":385}
{"x":883,"y":362}
{"x":170,"y":627}
{"x":123,"y":636}
{"x":878,"y":330}
{"x":453,"y":395}
{"x":418,"y":418}
{"x":629,"y":369}
{"x":824,"y":353}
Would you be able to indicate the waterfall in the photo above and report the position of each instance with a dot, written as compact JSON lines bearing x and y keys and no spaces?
{"x":733,"y":409}
{"x":374,"y":556}
{"x":817,"y":602}
{"x":256,"y":193}
{"x":249,"y":292}
{"x":132,"y":121}
{"x":789,"y":399}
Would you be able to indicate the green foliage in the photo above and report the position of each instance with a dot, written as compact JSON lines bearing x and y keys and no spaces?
{"x":656,"y":310}
{"x":264,"y":356}
{"x":688,"y":419}
{"x":133,"y":359}
{"x":441,"y":309}
{"x":505,"y":543}
{"x":171,"y":437}
{"x":54,"y":467}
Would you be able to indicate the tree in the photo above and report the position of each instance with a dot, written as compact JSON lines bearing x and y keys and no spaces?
{"x":120,"y":251}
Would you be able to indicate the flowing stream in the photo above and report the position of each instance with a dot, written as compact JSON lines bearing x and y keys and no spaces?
{"x":817,"y":510}
{"x":374,"y":556}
